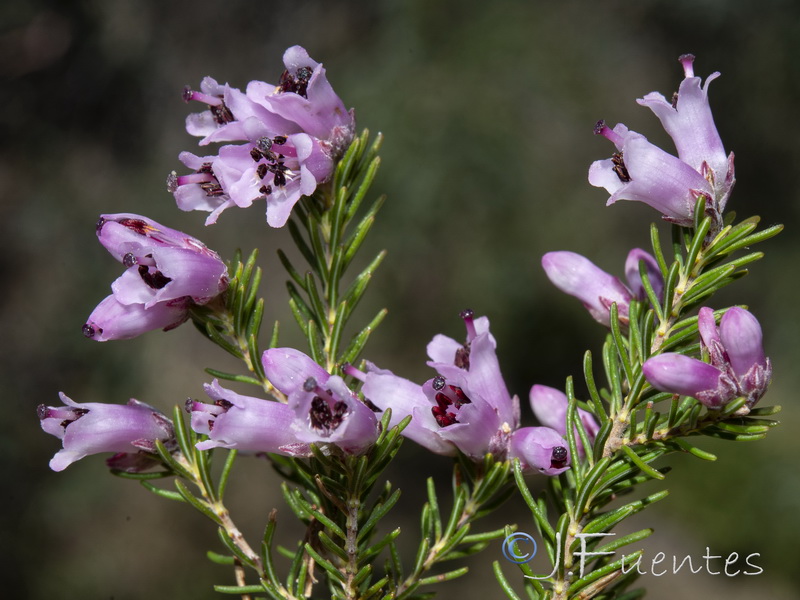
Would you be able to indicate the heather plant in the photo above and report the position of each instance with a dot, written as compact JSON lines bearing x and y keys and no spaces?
{"x":674,"y":366}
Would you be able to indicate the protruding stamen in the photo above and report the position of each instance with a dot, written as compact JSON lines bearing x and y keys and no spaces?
{"x":687,"y":61}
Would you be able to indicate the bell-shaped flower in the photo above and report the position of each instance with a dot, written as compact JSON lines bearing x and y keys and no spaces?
{"x":737,"y":367}
{"x":688,"y":120}
{"x":541,"y":449}
{"x":245,"y":423}
{"x":466,"y":407}
{"x":130,"y":430}
{"x":166,"y":272}
{"x":577,"y":276}
{"x":292,"y":133}
{"x":550,"y":407}
{"x":642,"y":172}
{"x":326,"y":410}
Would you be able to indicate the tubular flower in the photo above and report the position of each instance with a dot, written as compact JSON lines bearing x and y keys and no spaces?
{"x":577,"y":276}
{"x":550,"y":407}
{"x":738,"y":366}
{"x":643,"y":172}
{"x":292,"y":133}
{"x":466,"y":407}
{"x":540,"y":448}
{"x":166,"y":273}
{"x":130,"y":430}
{"x":325,"y":410}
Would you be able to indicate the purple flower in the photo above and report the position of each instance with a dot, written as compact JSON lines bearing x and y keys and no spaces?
{"x":550,"y":407}
{"x":293,"y":133}
{"x":738,"y":366}
{"x":643,"y":172}
{"x":466,"y":407}
{"x":325,"y":409}
{"x":166,"y":272}
{"x":540,"y":448}
{"x":577,"y":276}
{"x":130,"y":430}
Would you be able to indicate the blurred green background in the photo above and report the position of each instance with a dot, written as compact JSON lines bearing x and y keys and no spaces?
{"x":487,"y":109}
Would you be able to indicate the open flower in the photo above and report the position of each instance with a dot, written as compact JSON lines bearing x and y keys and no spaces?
{"x":166,"y":273}
{"x":738,"y":366}
{"x":292,"y":133}
{"x":577,"y":276}
{"x":643,"y":172}
{"x":466,"y":407}
{"x":321,"y":410}
{"x":130,"y":430}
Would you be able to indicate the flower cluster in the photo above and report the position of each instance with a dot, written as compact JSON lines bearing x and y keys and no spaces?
{"x":292,"y":133}
{"x":466,"y":407}
{"x":643,"y":172}
{"x":737,"y":365}
{"x":166,"y":272}
{"x":577,"y":276}
{"x":321,"y":410}
{"x":130,"y":430}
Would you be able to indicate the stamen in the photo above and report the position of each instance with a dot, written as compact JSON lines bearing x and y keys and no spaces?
{"x":619,"y":167}
{"x":155,"y":280}
{"x":189,"y":94}
{"x":601,"y":128}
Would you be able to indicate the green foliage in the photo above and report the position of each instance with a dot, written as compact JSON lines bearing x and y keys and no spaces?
{"x":638,"y":424}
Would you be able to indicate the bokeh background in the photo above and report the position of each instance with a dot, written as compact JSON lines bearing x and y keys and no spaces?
{"x":487,"y":109}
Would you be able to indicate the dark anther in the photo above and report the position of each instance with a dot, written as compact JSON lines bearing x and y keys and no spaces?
{"x":129,"y":260}
{"x":155,"y":280}
{"x":261,"y":171}
{"x":324,"y":419}
{"x":443,"y":418}
{"x":280,"y":179}
{"x":309,"y":384}
{"x":675,"y":100}
{"x":224,"y":404}
{"x":619,"y":167}
{"x":136,"y":225}
{"x":371,"y":405}
{"x":297,"y":83}
{"x":255,"y":154}
{"x":211,"y":424}
{"x":304,"y":74}
{"x":99,"y":225}
{"x":461,"y":397}
{"x":462,"y":357}
{"x":89,"y":331}
{"x":558,"y":458}
{"x":599,"y":126}
{"x":438,"y":382}
{"x":279,"y":139}
{"x":222,"y":114}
